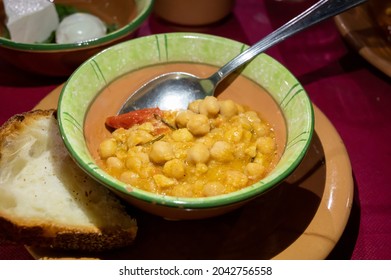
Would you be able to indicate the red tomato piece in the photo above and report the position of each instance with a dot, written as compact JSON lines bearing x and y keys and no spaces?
{"x":134,"y":117}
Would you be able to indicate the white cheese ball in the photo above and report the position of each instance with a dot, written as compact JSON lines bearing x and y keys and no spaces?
{"x":79,"y":27}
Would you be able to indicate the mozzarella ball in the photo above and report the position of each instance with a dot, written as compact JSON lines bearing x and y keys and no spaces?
{"x":79,"y":27}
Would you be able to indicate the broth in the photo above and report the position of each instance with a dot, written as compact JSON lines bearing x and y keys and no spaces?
{"x":237,"y":88}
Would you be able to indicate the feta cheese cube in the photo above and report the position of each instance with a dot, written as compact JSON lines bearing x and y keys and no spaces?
{"x":30,"y":21}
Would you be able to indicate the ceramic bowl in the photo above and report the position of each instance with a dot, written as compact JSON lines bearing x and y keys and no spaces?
{"x":98,"y":88}
{"x":62,"y":59}
{"x":193,"y":13}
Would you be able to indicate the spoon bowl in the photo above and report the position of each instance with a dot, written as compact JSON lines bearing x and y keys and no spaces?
{"x":175,"y":90}
{"x":167,"y":92}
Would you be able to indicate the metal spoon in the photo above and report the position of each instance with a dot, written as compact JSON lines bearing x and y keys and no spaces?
{"x":176,"y":90}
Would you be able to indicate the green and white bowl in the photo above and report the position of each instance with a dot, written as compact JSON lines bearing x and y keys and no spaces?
{"x":293,"y":110}
{"x":52,"y":59}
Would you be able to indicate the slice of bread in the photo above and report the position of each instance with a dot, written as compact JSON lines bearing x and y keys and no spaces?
{"x":46,"y":200}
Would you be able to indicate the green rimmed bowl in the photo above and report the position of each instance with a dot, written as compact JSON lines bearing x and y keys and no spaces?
{"x":98,"y":88}
{"x":62,"y":59}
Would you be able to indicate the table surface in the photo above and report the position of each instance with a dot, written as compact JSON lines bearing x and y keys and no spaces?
{"x":354,"y":96}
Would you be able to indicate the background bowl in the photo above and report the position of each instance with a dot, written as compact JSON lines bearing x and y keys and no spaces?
{"x":200,"y":12}
{"x":99,"y":87}
{"x":63,"y":59}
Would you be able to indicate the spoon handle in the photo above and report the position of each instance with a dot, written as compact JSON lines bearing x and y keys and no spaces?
{"x":320,"y":11}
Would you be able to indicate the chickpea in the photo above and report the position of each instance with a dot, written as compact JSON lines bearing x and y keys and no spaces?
{"x":234,"y":134}
{"x":218,"y":121}
{"x":247,"y":136}
{"x":182,"y":190}
{"x":254,"y":170}
{"x":114,"y":163}
{"x":138,"y":137}
{"x":120,"y":134}
{"x":214,"y":188}
{"x":240,"y":151}
{"x":209,"y":107}
{"x":134,"y":163}
{"x":252,"y":116}
{"x":137,"y":161}
{"x":183,"y":117}
{"x":244,"y":122}
{"x":147,"y":171}
{"x":266,"y":145}
{"x":142,"y":156}
{"x":129,"y":177}
{"x":161,"y":152}
{"x":198,"y":125}
{"x":107,"y":148}
{"x":194,"y":106}
{"x":222,"y":151}
{"x":174,"y":168}
{"x":228,"y":108}
{"x":251,"y":151}
{"x":260,"y":129}
{"x":206,"y":140}
{"x":162,"y":181}
{"x":201,"y":168}
{"x":182,"y":135}
{"x":236,"y":179}
{"x":199,"y":153}
{"x":147,"y":126}
{"x":180,"y":149}
{"x":259,"y":158}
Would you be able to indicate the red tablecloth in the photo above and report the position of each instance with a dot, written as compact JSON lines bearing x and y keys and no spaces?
{"x":354,"y":95}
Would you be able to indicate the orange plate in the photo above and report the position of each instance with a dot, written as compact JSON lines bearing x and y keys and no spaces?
{"x":302,"y":220}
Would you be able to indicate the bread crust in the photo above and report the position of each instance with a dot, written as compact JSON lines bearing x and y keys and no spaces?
{"x":14,"y":124}
{"x":49,"y":234}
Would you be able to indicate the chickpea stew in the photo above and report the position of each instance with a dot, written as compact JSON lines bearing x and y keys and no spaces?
{"x":214,"y":147}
